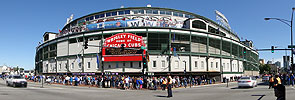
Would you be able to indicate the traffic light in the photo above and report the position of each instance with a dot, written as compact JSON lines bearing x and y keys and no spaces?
{"x":144,"y":60}
{"x":244,"y":50}
{"x":122,"y":47}
{"x":272,"y":49}
{"x":86,"y":44}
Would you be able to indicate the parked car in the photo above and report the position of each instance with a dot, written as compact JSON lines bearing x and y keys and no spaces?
{"x":247,"y":82}
{"x":16,"y":80}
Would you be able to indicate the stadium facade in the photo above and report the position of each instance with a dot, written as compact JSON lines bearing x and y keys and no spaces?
{"x":177,"y":42}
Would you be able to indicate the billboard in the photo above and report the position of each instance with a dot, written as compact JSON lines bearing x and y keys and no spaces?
{"x":128,"y":21}
{"x":143,"y":22}
{"x":132,"y":43}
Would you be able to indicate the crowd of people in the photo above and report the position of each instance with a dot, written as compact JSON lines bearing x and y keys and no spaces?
{"x":278,"y":82}
{"x":284,"y":79}
{"x":124,"y":81}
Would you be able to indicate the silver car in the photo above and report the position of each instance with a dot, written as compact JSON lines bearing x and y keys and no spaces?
{"x":16,"y":80}
{"x":247,"y":82}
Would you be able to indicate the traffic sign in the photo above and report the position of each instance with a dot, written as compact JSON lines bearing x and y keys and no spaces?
{"x":142,"y":47}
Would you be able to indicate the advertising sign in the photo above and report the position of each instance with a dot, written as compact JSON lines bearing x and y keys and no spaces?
{"x":135,"y":23}
{"x":112,"y":50}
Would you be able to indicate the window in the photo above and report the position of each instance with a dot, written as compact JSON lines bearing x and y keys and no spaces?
{"x":47,"y":67}
{"x":176,"y":64}
{"x":97,"y":16}
{"x":60,"y":66}
{"x":139,"y":64}
{"x":139,"y":11}
{"x":123,"y":63}
{"x":196,"y":64}
{"x":154,"y":64}
{"x":199,"y":24}
{"x":202,"y":64}
{"x":175,"y":14}
{"x":223,"y":65}
{"x":88,"y":65}
{"x":80,"y":65}
{"x":163,"y":64}
{"x":51,"y":68}
{"x":180,"y":14}
{"x":108,"y":14}
{"x":211,"y":64}
{"x":155,"y":12}
{"x":162,"y":12}
{"x":91,"y":17}
{"x":131,"y":64}
{"x":66,"y":66}
{"x":217,"y":65}
{"x":227,"y":66}
{"x":73,"y":65}
{"x":101,"y":15}
{"x":121,"y":12}
{"x":110,"y":66}
{"x":127,"y":11}
{"x":117,"y":65}
{"x":168,"y":13}
{"x":157,"y":41}
{"x":149,"y":11}
{"x":114,"y":13}
{"x":187,"y":16}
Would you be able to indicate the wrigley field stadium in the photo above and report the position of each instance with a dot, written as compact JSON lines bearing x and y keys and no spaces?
{"x":148,"y":41}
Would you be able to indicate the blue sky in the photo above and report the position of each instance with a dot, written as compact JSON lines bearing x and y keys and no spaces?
{"x":23,"y":22}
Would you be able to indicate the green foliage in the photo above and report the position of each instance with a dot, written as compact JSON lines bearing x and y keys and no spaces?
{"x":264,"y":69}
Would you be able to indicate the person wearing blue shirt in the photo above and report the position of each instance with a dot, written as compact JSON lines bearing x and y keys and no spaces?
{"x":76,"y":81}
{"x":292,"y":79}
{"x":71,"y":80}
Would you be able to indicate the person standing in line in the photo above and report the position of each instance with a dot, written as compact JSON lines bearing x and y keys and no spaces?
{"x":155,"y":83}
{"x":164,"y":83}
{"x":169,"y":86}
{"x":292,"y":79}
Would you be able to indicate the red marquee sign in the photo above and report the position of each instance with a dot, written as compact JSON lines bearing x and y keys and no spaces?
{"x":112,"y":52}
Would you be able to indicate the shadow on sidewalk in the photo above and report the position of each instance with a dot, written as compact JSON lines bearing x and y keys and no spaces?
{"x":160,"y":96}
{"x":260,"y":96}
{"x":240,"y":88}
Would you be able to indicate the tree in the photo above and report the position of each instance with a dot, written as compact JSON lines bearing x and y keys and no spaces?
{"x":264,"y":69}
{"x":267,"y":68}
{"x":261,"y":69}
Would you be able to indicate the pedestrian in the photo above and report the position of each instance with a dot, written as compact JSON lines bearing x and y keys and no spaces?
{"x":280,"y":92}
{"x":292,"y":79}
{"x":164,"y":84}
{"x":169,"y":88}
{"x":271,"y":82}
{"x":155,"y":83}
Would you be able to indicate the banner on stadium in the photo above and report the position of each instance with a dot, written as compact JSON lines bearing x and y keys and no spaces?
{"x":134,"y":23}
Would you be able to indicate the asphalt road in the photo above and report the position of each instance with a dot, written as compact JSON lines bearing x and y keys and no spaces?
{"x":209,"y":92}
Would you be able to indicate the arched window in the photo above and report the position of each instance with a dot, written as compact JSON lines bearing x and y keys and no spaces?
{"x":199,"y":24}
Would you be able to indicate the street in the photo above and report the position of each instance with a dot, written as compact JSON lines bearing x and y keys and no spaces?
{"x":207,"y":92}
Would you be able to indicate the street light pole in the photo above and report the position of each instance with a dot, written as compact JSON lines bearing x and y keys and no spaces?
{"x":292,"y":62}
{"x":290,"y":24}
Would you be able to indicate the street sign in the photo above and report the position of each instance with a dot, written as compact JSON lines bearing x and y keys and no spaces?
{"x":142,"y":47}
